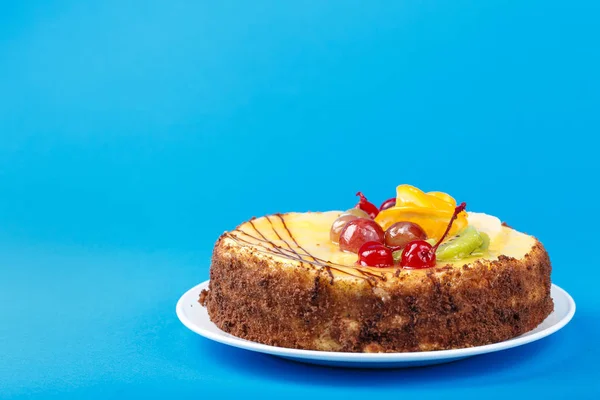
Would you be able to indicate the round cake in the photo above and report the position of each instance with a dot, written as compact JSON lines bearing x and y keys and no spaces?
{"x":295,"y":280}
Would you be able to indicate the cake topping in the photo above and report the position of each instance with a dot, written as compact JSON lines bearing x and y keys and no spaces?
{"x":359,"y":231}
{"x":417,"y":255}
{"x":374,"y":254}
{"x":357,"y":212}
{"x":389,"y":203}
{"x":367,"y":206}
{"x":460,"y":246}
{"x":430,"y":211}
{"x":398,"y":235}
{"x":420,"y":254}
{"x":411,"y":227}
{"x":484,"y":246}
{"x":338,"y":224}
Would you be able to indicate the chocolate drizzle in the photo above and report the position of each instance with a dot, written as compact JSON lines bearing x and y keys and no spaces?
{"x":318,"y":261}
{"x":297,"y":252}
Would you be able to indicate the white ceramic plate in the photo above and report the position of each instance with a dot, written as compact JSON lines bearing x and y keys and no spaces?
{"x":195,"y":317}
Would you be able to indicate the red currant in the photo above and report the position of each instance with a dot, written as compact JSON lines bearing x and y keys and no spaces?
{"x":367,"y":206}
{"x":420,"y":254}
{"x":374,"y":254}
{"x":389,"y":203}
{"x":358,"y":231}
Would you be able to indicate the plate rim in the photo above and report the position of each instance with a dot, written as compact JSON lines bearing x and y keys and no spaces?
{"x":234,"y":341}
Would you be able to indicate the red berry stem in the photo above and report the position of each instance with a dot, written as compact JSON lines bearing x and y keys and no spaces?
{"x":460,"y":208}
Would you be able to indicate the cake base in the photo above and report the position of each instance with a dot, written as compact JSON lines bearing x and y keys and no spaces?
{"x":259,"y":299}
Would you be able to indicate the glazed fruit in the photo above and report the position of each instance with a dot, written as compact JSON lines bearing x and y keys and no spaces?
{"x":338,"y":224}
{"x":397,"y":255}
{"x":399,"y":234}
{"x":389,"y":203}
{"x":431,"y":211}
{"x":460,"y":246}
{"x":375,"y":254}
{"x":484,"y":246}
{"x":357,"y":212}
{"x":359,"y":231}
{"x":367,"y":206}
{"x":420,"y":254}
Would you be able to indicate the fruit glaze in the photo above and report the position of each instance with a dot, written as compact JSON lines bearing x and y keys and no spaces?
{"x":407,"y":231}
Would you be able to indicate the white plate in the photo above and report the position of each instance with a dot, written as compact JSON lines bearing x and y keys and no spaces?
{"x":195,"y":317}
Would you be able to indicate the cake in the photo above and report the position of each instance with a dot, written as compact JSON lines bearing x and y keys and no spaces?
{"x":416,"y":274}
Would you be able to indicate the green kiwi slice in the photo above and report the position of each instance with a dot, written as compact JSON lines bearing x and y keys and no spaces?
{"x":484,"y":246}
{"x":460,"y":246}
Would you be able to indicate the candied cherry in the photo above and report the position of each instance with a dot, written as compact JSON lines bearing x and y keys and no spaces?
{"x":389,"y":203}
{"x":401,"y":233}
{"x":338,"y":224}
{"x":375,"y":254}
{"x":419,"y":254}
{"x":359,"y":231}
{"x":367,"y":206}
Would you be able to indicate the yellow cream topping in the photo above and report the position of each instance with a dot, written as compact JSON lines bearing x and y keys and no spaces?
{"x":432,"y":211}
{"x":296,"y":238}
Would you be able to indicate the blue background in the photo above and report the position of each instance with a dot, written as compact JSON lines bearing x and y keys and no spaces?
{"x":134,"y":133}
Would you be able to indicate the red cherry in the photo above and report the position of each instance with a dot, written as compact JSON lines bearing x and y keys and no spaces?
{"x":420,"y":254}
{"x":417,"y":254}
{"x":374,"y":254}
{"x":367,"y":206}
{"x":358,"y":231}
{"x":389,"y":203}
